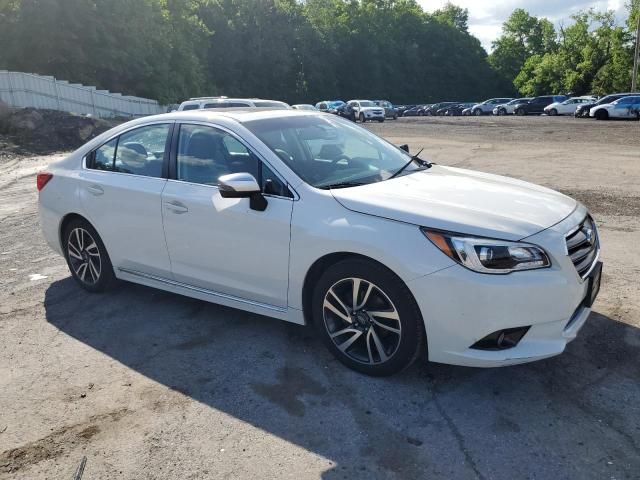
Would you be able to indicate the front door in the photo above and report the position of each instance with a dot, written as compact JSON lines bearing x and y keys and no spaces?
{"x":220,"y":244}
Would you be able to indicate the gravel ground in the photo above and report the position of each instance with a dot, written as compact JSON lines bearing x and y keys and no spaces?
{"x":149,"y":385}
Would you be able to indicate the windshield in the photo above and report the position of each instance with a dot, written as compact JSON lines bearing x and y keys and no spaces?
{"x":335,"y":104}
{"x":329,"y":151}
{"x":367,"y":103}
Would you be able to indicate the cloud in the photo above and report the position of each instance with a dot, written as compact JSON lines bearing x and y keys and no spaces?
{"x":487,"y":16}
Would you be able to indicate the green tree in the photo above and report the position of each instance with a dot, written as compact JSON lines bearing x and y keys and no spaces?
{"x":453,"y":15}
{"x":523,"y":36}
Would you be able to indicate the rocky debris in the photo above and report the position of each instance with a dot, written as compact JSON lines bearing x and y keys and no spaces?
{"x":30,"y":130}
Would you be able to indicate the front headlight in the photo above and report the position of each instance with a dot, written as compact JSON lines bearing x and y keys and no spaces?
{"x":486,"y":255}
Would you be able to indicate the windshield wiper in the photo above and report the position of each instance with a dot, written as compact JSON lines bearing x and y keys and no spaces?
{"x":341,"y":185}
{"x":414,"y":158}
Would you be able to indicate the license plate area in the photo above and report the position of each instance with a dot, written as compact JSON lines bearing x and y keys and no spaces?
{"x":593,"y":287}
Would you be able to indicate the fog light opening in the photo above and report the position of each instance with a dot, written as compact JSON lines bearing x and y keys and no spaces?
{"x":502,"y":339}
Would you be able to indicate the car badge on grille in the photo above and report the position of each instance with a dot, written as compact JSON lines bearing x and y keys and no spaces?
{"x":588,"y":232}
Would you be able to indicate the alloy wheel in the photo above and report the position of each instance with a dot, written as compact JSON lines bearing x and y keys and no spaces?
{"x":84,"y":256}
{"x":362,"y":321}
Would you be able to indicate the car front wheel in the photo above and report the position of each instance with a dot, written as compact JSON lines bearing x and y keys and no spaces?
{"x":478,"y":113}
{"x":602,"y":114}
{"x":367,"y":317}
{"x":362,"y":117}
{"x":87,"y":257}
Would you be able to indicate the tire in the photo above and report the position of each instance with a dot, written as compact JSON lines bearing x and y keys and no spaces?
{"x":370,"y":344}
{"x":362,"y":118}
{"x":381,"y":120}
{"x":87,"y":257}
{"x":553,"y":112}
{"x":477,"y":113}
{"x":395,"y":117}
{"x":502,"y":112}
{"x":520,"y":112}
{"x":602,"y":114}
{"x":421,"y":114}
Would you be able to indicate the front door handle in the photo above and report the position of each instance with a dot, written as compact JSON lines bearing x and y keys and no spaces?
{"x":176,"y":207}
{"x":95,"y":190}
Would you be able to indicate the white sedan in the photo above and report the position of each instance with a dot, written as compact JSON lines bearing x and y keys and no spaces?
{"x":625,"y":107}
{"x":309,"y":218}
{"x":568,"y":107}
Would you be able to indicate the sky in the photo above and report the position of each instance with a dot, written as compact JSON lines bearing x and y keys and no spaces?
{"x":486,"y":16}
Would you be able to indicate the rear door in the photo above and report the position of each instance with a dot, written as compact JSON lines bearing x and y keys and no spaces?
{"x":120,"y":191}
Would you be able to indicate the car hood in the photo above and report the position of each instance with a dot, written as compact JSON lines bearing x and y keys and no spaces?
{"x":463,"y":201}
{"x":553,"y":105}
{"x":369,"y":109}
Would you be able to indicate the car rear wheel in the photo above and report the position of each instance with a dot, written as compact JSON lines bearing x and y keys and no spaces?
{"x":362,"y":117}
{"x":520,"y":112}
{"x":367,"y":317}
{"x":86,"y":256}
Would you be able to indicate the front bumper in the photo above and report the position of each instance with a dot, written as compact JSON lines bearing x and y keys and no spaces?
{"x":460,"y":307}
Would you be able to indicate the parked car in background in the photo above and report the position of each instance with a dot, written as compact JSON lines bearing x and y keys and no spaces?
{"x":403,"y":108}
{"x":345,"y":111}
{"x":310,"y":219}
{"x":486,"y":107}
{"x":536,"y":105}
{"x":224,"y":102}
{"x":414,"y":111}
{"x":567,"y":107}
{"x":457,"y":109}
{"x":625,"y":107}
{"x":507,"y":108}
{"x":389,"y":110}
{"x":366,"y":110}
{"x":326,"y":105}
{"x":583,"y":110}
{"x":467,"y":112}
{"x":304,"y":106}
{"x":433,"y":109}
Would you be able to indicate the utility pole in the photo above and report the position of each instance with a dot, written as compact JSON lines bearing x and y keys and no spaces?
{"x":636,"y":58}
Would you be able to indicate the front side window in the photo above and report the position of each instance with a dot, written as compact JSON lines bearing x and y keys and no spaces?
{"x":328,"y":151}
{"x":141,"y":151}
{"x":207,"y":153}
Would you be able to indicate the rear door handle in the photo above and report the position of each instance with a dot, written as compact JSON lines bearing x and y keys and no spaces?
{"x":176,"y":207}
{"x":95,"y":190}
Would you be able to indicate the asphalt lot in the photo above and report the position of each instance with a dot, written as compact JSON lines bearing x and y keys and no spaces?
{"x":149,"y":385}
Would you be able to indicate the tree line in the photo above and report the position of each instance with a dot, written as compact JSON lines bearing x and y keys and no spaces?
{"x":304,"y":51}
{"x":591,"y":54}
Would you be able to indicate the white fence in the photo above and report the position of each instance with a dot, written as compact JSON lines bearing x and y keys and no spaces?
{"x":29,"y":90}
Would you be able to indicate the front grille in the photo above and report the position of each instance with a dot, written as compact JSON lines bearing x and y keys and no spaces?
{"x":583,"y":245}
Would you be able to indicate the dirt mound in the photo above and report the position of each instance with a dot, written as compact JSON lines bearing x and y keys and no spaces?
{"x":29,"y":130}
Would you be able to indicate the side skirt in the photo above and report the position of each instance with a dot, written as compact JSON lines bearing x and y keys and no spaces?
{"x":287,"y":314}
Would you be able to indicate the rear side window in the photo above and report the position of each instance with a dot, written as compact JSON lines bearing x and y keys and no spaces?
{"x":226,"y":105}
{"x":193,"y":106}
{"x":138,"y":152}
{"x":141,"y":151}
{"x":277,"y":105}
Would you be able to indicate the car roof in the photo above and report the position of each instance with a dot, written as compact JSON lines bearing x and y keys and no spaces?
{"x":238,"y":114}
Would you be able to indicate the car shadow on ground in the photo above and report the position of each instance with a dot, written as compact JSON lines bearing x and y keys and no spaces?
{"x":574,"y":416}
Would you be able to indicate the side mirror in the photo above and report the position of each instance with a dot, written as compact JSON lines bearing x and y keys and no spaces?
{"x":404,"y":147}
{"x":242,"y":185}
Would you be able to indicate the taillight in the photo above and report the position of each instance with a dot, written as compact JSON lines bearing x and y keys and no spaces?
{"x":42,"y":179}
